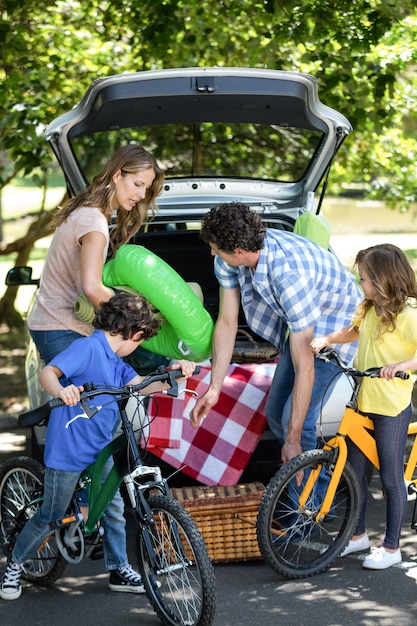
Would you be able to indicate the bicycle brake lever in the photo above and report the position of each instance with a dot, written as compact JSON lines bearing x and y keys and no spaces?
{"x":192,"y":391}
{"x":90,"y":411}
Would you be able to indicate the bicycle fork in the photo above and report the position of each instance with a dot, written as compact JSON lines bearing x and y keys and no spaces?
{"x":357,"y":426}
{"x":336,"y":467}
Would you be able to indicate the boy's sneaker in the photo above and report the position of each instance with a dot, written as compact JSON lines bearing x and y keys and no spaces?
{"x":11,"y":588}
{"x":126,"y":579}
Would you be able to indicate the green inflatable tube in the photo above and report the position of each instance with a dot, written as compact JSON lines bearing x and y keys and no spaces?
{"x":189,"y":328}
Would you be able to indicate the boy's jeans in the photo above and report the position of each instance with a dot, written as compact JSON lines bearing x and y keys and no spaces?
{"x":59,"y":487}
{"x":50,"y":343}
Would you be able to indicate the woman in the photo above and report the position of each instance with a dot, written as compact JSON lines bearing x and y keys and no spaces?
{"x":127,"y":186}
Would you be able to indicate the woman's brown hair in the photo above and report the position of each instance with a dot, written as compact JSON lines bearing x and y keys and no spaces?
{"x":101,"y":194}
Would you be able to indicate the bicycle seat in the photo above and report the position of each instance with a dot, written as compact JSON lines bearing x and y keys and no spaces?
{"x":34,"y":417}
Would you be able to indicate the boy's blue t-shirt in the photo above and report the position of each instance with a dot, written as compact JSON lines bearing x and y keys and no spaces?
{"x":73,"y":441}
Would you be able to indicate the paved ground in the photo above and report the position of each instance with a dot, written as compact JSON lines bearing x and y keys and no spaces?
{"x":248,"y":593}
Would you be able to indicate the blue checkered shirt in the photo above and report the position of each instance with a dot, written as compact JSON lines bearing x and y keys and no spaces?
{"x":297,"y":284}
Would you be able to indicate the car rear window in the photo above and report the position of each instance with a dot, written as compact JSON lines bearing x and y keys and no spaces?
{"x":210,"y":149}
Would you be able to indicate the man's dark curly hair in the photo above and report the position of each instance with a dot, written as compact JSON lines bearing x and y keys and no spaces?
{"x":125,"y":314}
{"x":233,"y":225}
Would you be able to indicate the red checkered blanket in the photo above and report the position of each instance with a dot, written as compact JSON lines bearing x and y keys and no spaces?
{"x":218,"y":451}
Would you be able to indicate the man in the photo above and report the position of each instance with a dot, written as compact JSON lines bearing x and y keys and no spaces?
{"x":285,"y":283}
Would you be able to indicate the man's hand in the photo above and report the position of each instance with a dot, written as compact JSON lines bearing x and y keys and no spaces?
{"x":289,"y":451}
{"x":187,"y":368}
{"x":203,"y":407}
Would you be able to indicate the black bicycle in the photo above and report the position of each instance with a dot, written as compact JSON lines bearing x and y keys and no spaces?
{"x":171,"y":554}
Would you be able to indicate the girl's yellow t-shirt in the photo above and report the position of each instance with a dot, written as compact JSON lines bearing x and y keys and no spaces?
{"x":377,"y":395}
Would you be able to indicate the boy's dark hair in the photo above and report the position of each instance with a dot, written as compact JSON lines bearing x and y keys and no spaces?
{"x":233,"y":225}
{"x":125,"y":314}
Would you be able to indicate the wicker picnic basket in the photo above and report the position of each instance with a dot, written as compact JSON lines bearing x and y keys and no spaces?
{"x":226,"y":517}
{"x":248,"y":350}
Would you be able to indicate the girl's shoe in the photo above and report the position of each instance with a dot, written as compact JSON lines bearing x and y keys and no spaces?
{"x":11,"y":588}
{"x":357,"y":545}
{"x":381,"y":559}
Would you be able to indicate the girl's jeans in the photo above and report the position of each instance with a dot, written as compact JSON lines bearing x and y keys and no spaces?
{"x":391,"y":436}
{"x":50,"y":343}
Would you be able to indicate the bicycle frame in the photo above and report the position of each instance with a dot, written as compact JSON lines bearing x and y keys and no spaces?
{"x":101,"y":493}
{"x":357,"y":427}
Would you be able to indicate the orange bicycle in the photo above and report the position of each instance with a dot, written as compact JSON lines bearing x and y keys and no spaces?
{"x":302,"y":528}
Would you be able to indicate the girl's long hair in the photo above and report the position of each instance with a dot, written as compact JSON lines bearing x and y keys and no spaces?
{"x":393,"y":280}
{"x":101,"y":194}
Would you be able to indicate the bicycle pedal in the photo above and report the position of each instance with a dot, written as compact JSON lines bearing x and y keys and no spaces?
{"x":65,"y":521}
{"x":411,"y":490}
{"x":96,"y":553}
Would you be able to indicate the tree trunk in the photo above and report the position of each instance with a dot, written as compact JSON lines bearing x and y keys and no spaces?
{"x":41,"y":228}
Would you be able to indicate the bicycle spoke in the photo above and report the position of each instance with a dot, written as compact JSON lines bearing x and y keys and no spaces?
{"x":292,"y":538}
{"x":176,"y":569}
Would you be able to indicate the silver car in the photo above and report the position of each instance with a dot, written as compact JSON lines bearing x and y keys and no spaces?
{"x":262,"y":137}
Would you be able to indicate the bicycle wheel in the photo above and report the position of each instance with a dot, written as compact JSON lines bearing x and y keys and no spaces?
{"x":175,"y":566}
{"x":21,"y":492}
{"x":290,"y":539}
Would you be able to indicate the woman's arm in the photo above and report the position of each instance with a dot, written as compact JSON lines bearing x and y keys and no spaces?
{"x":92,"y":253}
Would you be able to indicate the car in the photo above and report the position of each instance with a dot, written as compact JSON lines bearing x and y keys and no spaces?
{"x":262,"y":137}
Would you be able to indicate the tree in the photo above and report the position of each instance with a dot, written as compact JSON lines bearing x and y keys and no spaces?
{"x":363,"y":53}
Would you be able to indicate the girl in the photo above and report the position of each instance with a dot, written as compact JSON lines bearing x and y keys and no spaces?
{"x":386,"y":326}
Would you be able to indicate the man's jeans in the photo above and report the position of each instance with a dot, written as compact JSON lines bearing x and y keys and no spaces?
{"x":278,"y":408}
{"x":278,"y":403}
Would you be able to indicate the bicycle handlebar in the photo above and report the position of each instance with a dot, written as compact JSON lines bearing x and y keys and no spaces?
{"x":328,"y":354}
{"x":160,"y":375}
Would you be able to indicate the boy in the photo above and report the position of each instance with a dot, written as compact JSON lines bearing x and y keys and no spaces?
{"x":73,"y":442}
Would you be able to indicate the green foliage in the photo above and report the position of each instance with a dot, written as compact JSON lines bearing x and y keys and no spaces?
{"x":363,"y":53}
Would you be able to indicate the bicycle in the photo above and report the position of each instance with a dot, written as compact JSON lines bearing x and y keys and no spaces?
{"x":173,"y":560}
{"x":302,"y":529}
